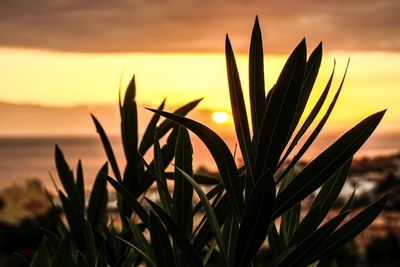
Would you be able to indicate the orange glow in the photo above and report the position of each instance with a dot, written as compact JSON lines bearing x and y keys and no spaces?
{"x":60,"y":79}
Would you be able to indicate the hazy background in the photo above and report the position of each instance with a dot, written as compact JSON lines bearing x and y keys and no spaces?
{"x":61,"y":60}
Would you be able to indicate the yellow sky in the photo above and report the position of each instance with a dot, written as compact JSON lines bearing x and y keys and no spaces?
{"x":60,"y":79}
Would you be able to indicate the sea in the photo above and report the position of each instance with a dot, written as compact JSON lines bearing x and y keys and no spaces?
{"x":32,"y":157}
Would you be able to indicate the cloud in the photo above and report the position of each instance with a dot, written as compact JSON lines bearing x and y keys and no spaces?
{"x":197,"y":26}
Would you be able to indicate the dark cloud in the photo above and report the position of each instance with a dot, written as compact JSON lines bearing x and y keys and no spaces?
{"x":197,"y":26}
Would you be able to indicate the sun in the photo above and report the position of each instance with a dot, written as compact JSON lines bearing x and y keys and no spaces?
{"x":220,"y":117}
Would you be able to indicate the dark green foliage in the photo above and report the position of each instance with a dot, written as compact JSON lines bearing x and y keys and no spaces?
{"x":247,"y":207}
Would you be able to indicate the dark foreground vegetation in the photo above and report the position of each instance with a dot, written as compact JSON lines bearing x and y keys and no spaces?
{"x":244,"y":210}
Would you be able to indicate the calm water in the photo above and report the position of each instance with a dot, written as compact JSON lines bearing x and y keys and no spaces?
{"x":29,"y":157}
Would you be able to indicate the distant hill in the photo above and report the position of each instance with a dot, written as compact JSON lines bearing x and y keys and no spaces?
{"x":28,"y":120}
{"x":20,"y":119}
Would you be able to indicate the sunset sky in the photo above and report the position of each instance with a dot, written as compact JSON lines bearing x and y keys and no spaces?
{"x":70,"y":52}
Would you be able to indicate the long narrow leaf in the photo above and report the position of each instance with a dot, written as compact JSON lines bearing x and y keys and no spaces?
{"x":129,"y":198}
{"x":326,"y":164}
{"x":222,"y":156}
{"x":256,"y":80}
{"x":183,"y":191}
{"x":239,"y":112}
{"x":310,"y":118}
{"x":167,"y":125}
{"x":160,"y":242}
{"x":150,"y":130}
{"x":256,"y":220}
{"x":277,"y":121}
{"x":215,"y":228}
{"x":317,"y":129}
{"x":162,"y":187}
{"x":330,"y":190}
{"x":97,"y":207}
{"x":350,"y":229}
{"x":148,"y":260}
{"x":67,"y":179}
{"x":107,"y":148}
{"x":179,"y":237}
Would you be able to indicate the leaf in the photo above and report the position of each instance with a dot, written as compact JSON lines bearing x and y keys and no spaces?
{"x":41,"y":258}
{"x":183,"y":191}
{"x":350,"y":229}
{"x":162,"y":187}
{"x":140,"y":240}
{"x":238,"y":108}
{"x":310,"y":118}
{"x":307,"y":226}
{"x":192,"y":258}
{"x":256,"y":220}
{"x":148,"y":260}
{"x":222,"y":209}
{"x":229,"y":234}
{"x":160,"y":242}
{"x":150,"y":131}
{"x":317,"y":129}
{"x":312,"y":242}
{"x":326,"y":164}
{"x":107,"y":148}
{"x":280,"y":112}
{"x":212,"y":219}
{"x":129,"y":128}
{"x":97,"y":207}
{"x":275,"y":242}
{"x":75,"y":222}
{"x":331,"y":189}
{"x":222,"y":156}
{"x":167,"y":125}
{"x":130,"y":200}
{"x":256,"y":80}
{"x":81,"y":260}
{"x":80,"y":184}
{"x":311,"y":73}
{"x":67,"y":179}
{"x":90,"y":246}
{"x":64,"y":256}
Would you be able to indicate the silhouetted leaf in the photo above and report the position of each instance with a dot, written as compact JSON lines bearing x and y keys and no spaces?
{"x":192,"y":258}
{"x":212,"y":219}
{"x":107,"y":148}
{"x":97,"y":207}
{"x":310,"y":118}
{"x":256,"y":80}
{"x":326,"y":164}
{"x":330,"y":190}
{"x":162,"y":187}
{"x":350,"y":229}
{"x":222,"y":156}
{"x":281,"y":110}
{"x":317,"y":129}
{"x":148,"y":136}
{"x":90,"y":246}
{"x":42,"y":256}
{"x":167,"y":125}
{"x":148,"y":260}
{"x":80,"y":184}
{"x":312,"y":242}
{"x":160,"y":242}
{"x":183,"y":191}
{"x":75,"y":222}
{"x":130,"y":200}
{"x":67,"y":179}
{"x":239,"y":113}
{"x":64,"y":256}
{"x":256,"y":220}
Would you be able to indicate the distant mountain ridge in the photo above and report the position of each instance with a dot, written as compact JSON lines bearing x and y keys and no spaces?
{"x":38,"y":120}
